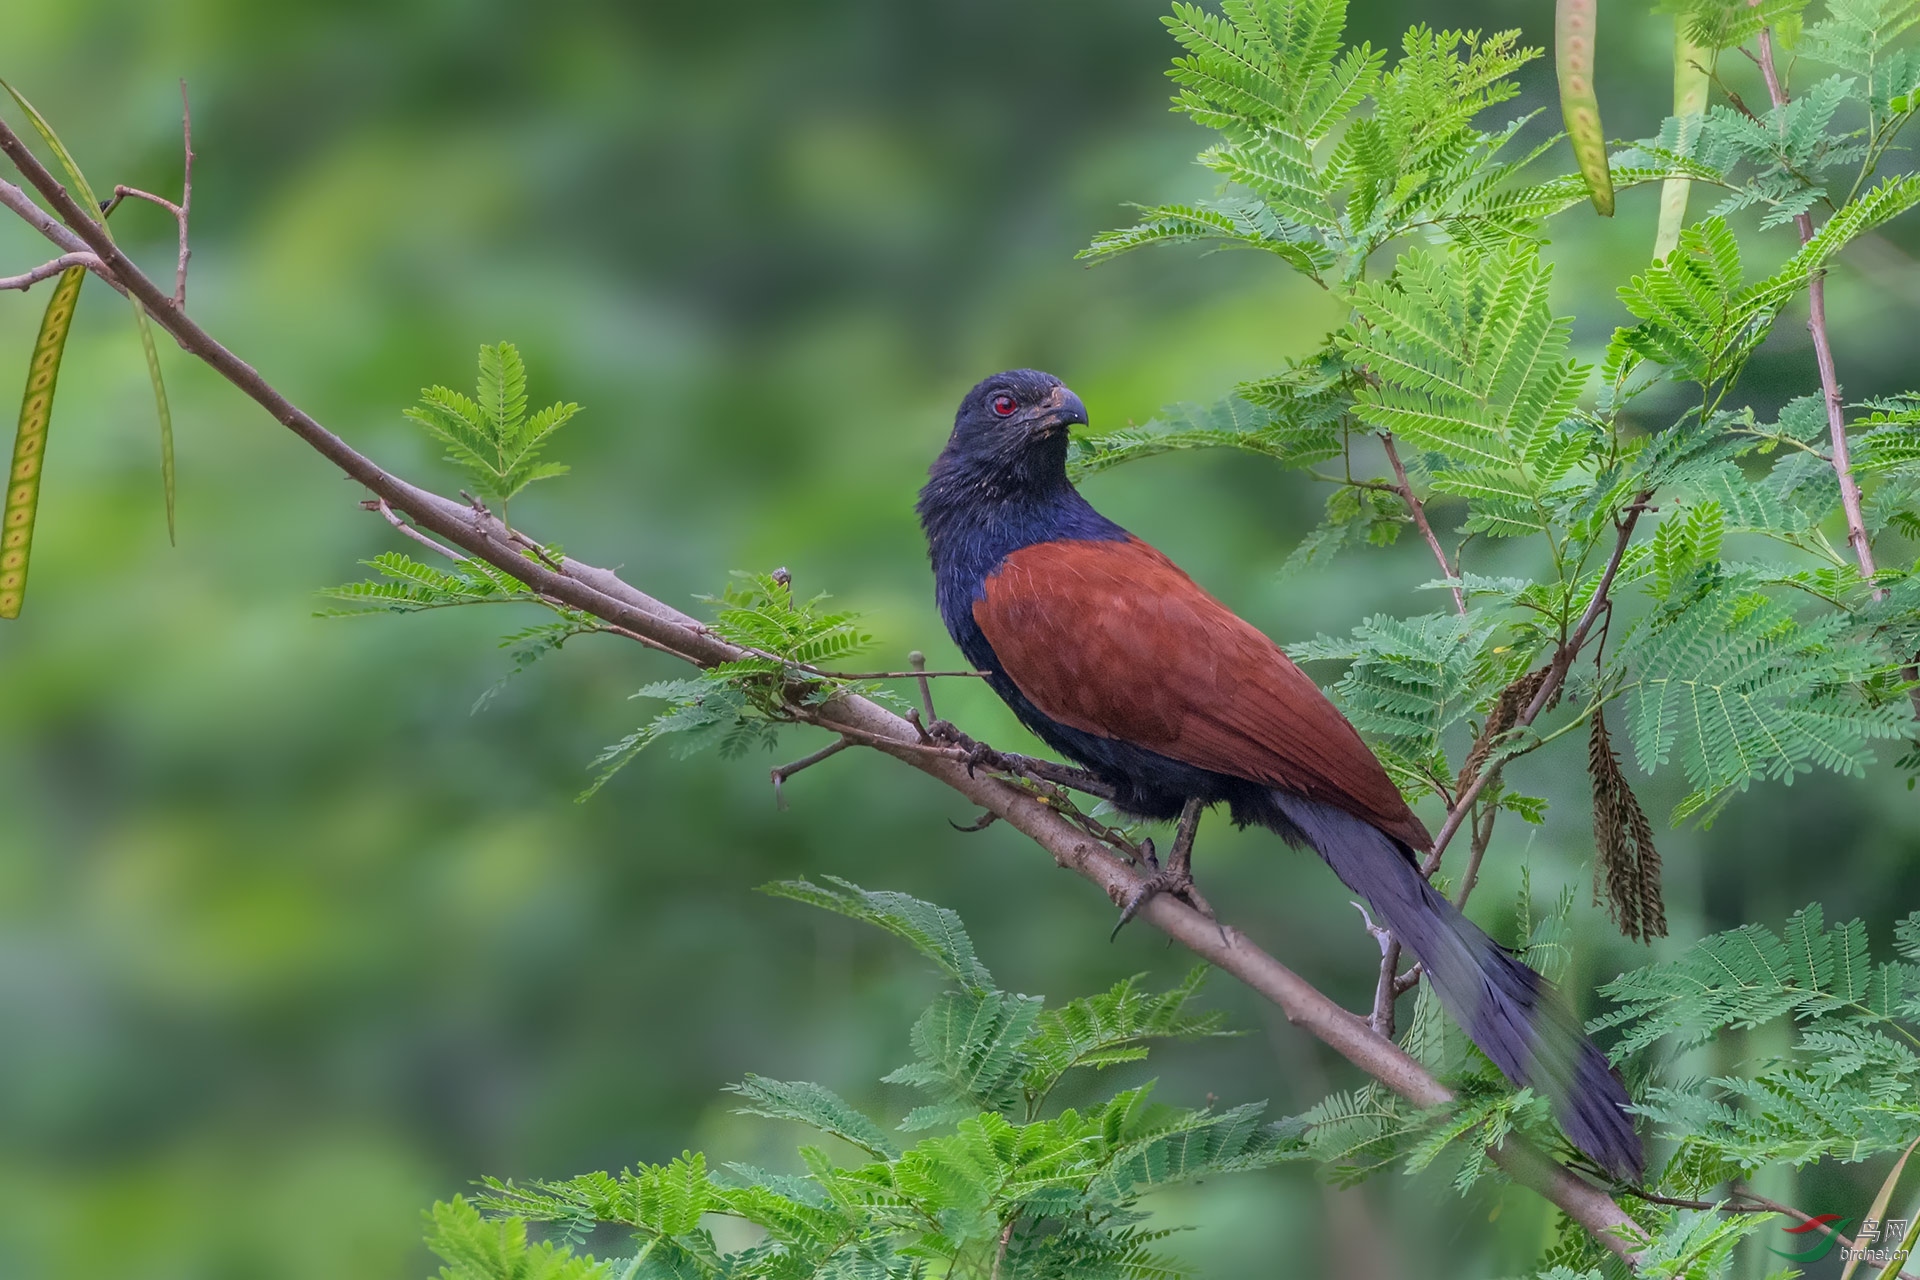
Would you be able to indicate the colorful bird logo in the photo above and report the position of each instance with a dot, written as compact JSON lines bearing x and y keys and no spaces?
{"x":1833,"y":1222}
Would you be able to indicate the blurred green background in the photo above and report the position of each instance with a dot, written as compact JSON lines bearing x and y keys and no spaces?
{"x":292,"y":944}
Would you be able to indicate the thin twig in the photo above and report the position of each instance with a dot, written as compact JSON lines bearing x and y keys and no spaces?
{"x":1000,"y":1254}
{"x":780,"y":774}
{"x":1823,"y":357}
{"x":1756,"y":1204}
{"x":603,"y":594}
{"x":902,"y":675}
{"x":918,"y":661}
{"x":1830,"y":381}
{"x":1381,"y":1019}
{"x":1404,"y":487}
{"x":186,"y":197}
{"x":47,"y":270}
{"x":1556,"y":675}
{"x":40,"y":220}
{"x":538,"y":550}
{"x":1387,"y":986}
{"x":1476,"y":851}
{"x":387,"y":514}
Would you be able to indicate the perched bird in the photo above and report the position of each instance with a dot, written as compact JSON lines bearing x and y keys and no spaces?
{"x":1114,"y":657}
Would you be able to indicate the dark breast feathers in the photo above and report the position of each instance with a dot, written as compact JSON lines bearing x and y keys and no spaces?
{"x":1111,"y":638}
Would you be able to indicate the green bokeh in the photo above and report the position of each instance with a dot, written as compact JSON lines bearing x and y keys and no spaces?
{"x":291,"y":943}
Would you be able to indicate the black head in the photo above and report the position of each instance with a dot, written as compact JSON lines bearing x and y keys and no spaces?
{"x":1013,"y":427}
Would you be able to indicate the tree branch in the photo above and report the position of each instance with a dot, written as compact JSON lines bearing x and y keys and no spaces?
{"x":46,"y":270}
{"x":179,"y":211}
{"x":1757,"y":1204}
{"x":1404,"y":488}
{"x":1823,"y":356}
{"x":1388,"y":986}
{"x":603,"y":594}
{"x":1556,"y":676}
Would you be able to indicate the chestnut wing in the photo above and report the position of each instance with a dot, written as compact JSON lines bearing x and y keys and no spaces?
{"x":1111,"y":638}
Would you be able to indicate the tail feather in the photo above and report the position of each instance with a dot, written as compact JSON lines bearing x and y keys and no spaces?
{"x":1516,"y":1017}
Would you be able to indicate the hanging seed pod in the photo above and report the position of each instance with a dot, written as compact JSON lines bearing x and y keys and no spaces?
{"x":30,"y":442}
{"x":1690,"y":78}
{"x":1573,"y":28}
{"x":1506,"y":710}
{"x":1626,"y":866}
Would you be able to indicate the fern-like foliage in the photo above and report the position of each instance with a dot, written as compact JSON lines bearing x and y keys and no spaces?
{"x":483,"y":1248}
{"x":1849,"y":1087}
{"x":1296,"y":425}
{"x":489,"y":436}
{"x":1697,"y":314}
{"x":1721,"y":24}
{"x":740,"y":706}
{"x":406,"y":585}
{"x":1330,"y":153}
{"x":1408,"y":681}
{"x":1747,"y":689}
{"x":988,"y":1184}
{"x":1467,"y":362}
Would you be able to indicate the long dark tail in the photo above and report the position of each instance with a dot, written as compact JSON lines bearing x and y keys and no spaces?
{"x":1513,"y":1014}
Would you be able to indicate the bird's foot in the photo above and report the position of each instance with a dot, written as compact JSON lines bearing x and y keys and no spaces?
{"x":1174,"y":881}
{"x":1175,"y":878}
{"x":976,"y":755}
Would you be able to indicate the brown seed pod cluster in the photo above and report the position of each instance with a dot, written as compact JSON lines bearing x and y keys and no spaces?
{"x":1625,"y":861}
{"x":1506,"y":711}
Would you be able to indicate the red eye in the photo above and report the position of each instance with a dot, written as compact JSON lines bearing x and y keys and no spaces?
{"x":1004,"y":405}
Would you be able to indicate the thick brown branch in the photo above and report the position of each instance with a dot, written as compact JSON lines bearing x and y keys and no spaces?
{"x":603,"y":594}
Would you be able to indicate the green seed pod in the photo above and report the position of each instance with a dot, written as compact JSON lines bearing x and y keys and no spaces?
{"x":1573,"y":28}
{"x":1690,"y":63}
{"x":30,"y":442}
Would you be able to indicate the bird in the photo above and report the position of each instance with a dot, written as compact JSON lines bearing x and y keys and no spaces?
{"x":1115,"y":658}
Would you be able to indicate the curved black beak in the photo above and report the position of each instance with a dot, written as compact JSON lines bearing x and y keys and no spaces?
{"x":1064,"y":410}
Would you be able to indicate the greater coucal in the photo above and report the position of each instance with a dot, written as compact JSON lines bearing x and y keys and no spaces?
{"x":1114,"y":657}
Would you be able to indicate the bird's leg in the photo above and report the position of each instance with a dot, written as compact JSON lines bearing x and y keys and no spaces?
{"x":978,"y":755}
{"x":1061,"y":775}
{"x":1176,"y":876}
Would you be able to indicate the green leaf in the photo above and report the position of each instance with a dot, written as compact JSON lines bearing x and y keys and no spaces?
{"x":81,"y":188}
{"x":1112,"y":1027}
{"x":476,"y":1248}
{"x":968,"y":1054}
{"x":1297,"y":426}
{"x":145,"y":327}
{"x":933,"y":931}
{"x":491,"y":437}
{"x":1468,"y":362}
{"x":92,"y":205}
{"x":814,"y":1105}
{"x":30,"y":442}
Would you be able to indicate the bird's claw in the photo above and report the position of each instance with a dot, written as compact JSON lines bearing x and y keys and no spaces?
{"x":1174,"y":881}
{"x":977,"y":754}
